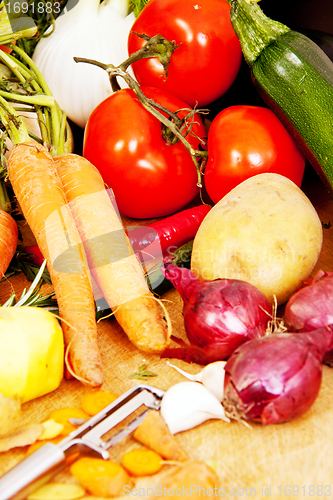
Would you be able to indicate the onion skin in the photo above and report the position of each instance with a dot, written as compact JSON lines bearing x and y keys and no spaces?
{"x":219,"y":315}
{"x":275,"y":378}
{"x":311,"y":307}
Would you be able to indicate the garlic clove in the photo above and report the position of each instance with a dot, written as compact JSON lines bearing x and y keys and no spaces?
{"x":188,"y":404}
{"x":212,"y":377}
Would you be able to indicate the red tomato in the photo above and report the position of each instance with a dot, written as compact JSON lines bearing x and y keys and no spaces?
{"x":208,"y":59}
{"x":244,"y":141}
{"x":124,"y":141}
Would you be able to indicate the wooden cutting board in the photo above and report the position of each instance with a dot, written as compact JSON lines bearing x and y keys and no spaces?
{"x":281,"y":461}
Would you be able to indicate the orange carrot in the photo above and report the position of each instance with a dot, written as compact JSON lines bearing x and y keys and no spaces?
{"x":141,"y":462}
{"x":114,"y":266}
{"x":62,"y":416}
{"x":93,"y":402}
{"x":39,"y":192}
{"x":101,"y":478}
{"x":8,"y":240}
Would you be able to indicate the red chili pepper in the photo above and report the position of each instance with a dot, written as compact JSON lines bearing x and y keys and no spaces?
{"x":170,"y":233}
{"x":37,"y":256}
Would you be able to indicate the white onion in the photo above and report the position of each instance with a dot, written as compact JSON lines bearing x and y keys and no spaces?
{"x":90,"y":30}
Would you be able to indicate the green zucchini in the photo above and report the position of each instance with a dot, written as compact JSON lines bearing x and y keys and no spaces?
{"x":295,"y":79}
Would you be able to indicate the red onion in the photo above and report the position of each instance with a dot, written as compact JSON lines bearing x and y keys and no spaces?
{"x":275,"y":378}
{"x":219,"y":315}
{"x":311,"y":307}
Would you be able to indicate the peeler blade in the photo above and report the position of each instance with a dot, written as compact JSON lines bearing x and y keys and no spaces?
{"x":126,"y":431}
{"x":44,"y":463}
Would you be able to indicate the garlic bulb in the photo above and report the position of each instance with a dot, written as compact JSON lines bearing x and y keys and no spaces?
{"x":92,"y":30}
{"x":212,"y":377}
{"x":188,"y":404}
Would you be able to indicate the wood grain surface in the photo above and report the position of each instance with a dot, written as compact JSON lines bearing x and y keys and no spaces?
{"x":291,"y":460}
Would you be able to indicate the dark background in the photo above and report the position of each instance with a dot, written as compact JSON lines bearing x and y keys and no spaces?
{"x":310,"y":14}
{"x":298,"y":15}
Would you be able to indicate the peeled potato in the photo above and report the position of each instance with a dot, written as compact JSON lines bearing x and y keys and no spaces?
{"x":265,"y":231}
{"x":31,"y":352}
{"x":57,"y":491}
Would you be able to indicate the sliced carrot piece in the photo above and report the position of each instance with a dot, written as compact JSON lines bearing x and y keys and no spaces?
{"x":101,"y":477}
{"x":62,"y":416}
{"x":142,"y":462}
{"x":93,"y":402}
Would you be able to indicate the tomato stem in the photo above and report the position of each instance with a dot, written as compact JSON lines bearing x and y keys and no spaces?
{"x":156,"y":46}
{"x":176,"y":128}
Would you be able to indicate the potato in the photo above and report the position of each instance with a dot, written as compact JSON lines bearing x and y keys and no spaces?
{"x":265,"y":231}
{"x":31,"y":352}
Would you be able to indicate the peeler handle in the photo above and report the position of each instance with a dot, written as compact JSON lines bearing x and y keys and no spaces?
{"x":32,"y":472}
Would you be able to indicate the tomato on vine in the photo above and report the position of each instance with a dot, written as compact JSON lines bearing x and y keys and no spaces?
{"x":149,"y":177}
{"x":208,"y":56}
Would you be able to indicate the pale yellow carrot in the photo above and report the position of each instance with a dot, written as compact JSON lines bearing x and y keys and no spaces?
{"x":115,"y":268}
{"x":38,"y":189}
{"x":154,"y":433}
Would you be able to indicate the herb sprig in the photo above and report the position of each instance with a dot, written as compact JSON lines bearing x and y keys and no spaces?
{"x":143,"y":373}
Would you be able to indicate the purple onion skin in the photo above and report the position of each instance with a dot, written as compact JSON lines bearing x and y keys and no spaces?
{"x":219,"y":315}
{"x":312,"y":307}
{"x":276,"y":378}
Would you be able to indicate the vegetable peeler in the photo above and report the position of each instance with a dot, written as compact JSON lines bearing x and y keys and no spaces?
{"x":49,"y":459}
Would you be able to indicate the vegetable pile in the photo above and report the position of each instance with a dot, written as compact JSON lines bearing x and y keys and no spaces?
{"x":131,"y":177}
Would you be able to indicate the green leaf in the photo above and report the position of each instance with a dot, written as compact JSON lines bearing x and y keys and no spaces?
{"x":142,"y":373}
{"x":31,"y":297}
{"x":21,"y":262}
{"x":136,"y":6}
